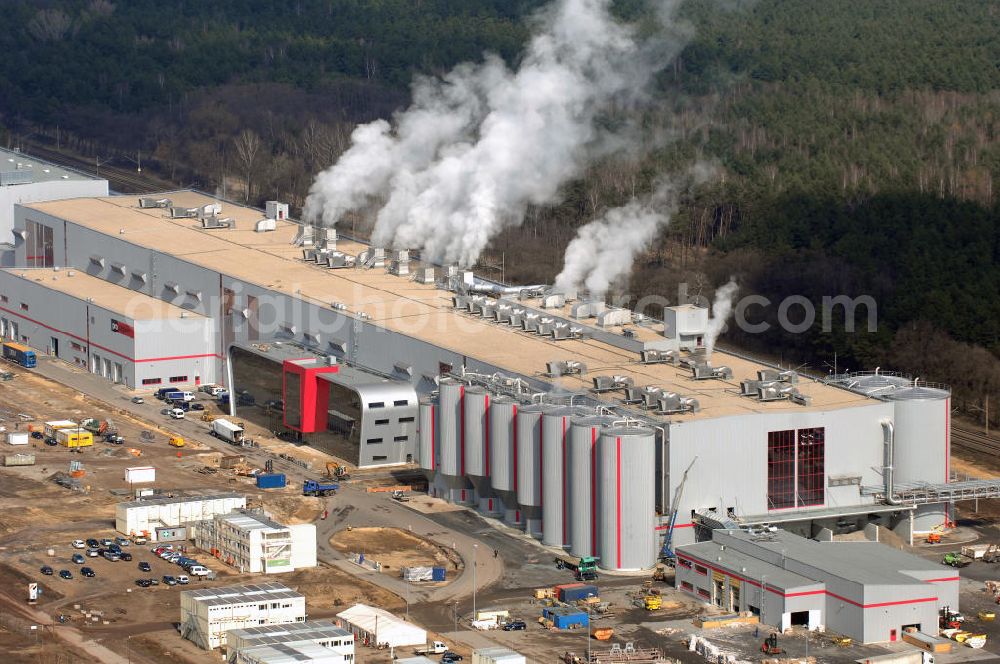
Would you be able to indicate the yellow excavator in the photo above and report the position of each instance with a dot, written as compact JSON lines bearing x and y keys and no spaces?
{"x":336,"y":471}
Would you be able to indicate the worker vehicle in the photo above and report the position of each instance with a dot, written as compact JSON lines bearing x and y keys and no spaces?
{"x":197,"y":406}
{"x":87,"y":571}
{"x":515,"y":626}
{"x":652,"y":602}
{"x":93,"y":543}
{"x":770,"y":645}
{"x":585,"y":567}
{"x":450,"y":657}
{"x":122,"y":541}
{"x":183,"y":580}
{"x":138,"y":400}
{"x":948,"y":619}
{"x":65,"y":574}
{"x":20,"y":354}
{"x":139,"y":540}
{"x":432,"y":648}
{"x":212,"y":389}
{"x":986,"y":615}
{"x":37,"y":435}
{"x":78,"y":544}
{"x":114,"y":439}
{"x":46,"y":570}
{"x":145,"y":583}
{"x":198,"y":570}
{"x":955,"y":560}
{"x":176,"y":413}
{"x":169,"y":580}
{"x":144,"y":566}
{"x":176,"y":441}
{"x":336,"y":471}
{"x":126,"y":556}
{"x":179,"y":395}
{"x":163,"y":391}
{"x":111,"y":556}
{"x":92,"y":553}
{"x":107,"y":541}
{"x":315,"y":488}
{"x":934,"y":538}
{"x":227,"y":431}
{"x":78,"y":559}
{"x":399,"y":496}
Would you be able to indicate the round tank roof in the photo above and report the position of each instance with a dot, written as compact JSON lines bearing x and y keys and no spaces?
{"x":919,"y":394}
{"x":629,"y":431}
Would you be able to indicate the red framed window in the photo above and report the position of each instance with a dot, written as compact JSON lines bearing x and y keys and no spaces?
{"x":684,"y":562}
{"x":151,"y":381}
{"x":686,"y":585}
{"x":178,"y":379}
{"x":781,"y":469}
{"x":704,"y":594}
{"x":700,"y":569}
{"x":811,"y":466}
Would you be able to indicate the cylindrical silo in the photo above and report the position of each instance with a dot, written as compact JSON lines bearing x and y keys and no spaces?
{"x":503,"y":410}
{"x":626,"y":498}
{"x":528,"y":449}
{"x":426,"y":437}
{"x":581,"y":480}
{"x":555,"y":431}
{"x":476,"y":446}
{"x":450,"y":432}
{"x":920,"y":445}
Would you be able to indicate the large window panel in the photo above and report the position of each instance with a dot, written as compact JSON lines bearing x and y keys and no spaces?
{"x":781,"y":469}
{"x":811,"y":466}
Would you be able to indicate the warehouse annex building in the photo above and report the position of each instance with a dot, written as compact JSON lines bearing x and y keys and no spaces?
{"x":864,"y":590}
{"x":576,"y":421}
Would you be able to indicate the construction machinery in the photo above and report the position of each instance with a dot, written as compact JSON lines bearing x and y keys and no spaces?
{"x":948,"y":619}
{"x":986,"y":615}
{"x":955,"y":559}
{"x":176,"y":441}
{"x":934,"y":537}
{"x":336,"y":471}
{"x":660,"y":573}
{"x":315,"y":488}
{"x":667,"y":554}
{"x":652,"y":602}
{"x":399,"y":496}
{"x":770,"y":645}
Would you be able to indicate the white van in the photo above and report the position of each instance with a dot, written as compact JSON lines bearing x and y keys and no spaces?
{"x":198,"y":570}
{"x":176,"y":413}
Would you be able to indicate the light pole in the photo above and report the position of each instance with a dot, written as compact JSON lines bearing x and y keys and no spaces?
{"x":407,"y":599}
{"x":589,"y":595}
{"x":475,"y":550}
{"x":455,"y":608}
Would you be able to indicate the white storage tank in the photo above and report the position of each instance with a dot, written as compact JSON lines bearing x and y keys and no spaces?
{"x":626,"y":498}
{"x":426,"y":437}
{"x":529,"y":461}
{"x":476,"y":441}
{"x":921,"y":422}
{"x":555,"y":431}
{"x":581,"y":482}
{"x":503,"y":473}
{"x":450,"y":482}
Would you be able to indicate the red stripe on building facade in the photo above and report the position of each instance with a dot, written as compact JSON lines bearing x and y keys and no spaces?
{"x":593,"y":491}
{"x":618,"y":499}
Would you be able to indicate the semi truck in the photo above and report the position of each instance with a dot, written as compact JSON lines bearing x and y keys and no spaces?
{"x":227,"y":431}
{"x":20,"y":354}
{"x":585,"y":567}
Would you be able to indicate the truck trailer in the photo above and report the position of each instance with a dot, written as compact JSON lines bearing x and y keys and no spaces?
{"x":227,"y":431}
{"x":20,"y":354}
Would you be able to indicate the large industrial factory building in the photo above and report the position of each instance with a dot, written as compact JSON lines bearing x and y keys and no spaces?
{"x":594,"y":428}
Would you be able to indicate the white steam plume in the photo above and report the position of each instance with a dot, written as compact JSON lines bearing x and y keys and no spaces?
{"x":722,"y":309}
{"x":604,"y":249}
{"x":475,"y":150}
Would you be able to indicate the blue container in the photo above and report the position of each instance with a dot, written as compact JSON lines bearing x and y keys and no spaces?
{"x":437,"y":574}
{"x":565,"y":617}
{"x":572,"y":593}
{"x":272,"y":481}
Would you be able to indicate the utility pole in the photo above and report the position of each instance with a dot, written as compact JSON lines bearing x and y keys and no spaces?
{"x":475,"y":550}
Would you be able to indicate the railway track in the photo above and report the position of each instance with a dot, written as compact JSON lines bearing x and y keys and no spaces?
{"x":973,"y":440}
{"x":121,"y":180}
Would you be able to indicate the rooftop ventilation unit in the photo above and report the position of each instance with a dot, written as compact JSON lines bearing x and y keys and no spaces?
{"x":502,"y":312}
{"x":147,"y":203}
{"x":587,"y":309}
{"x":553,"y":301}
{"x":276,"y":210}
{"x":372,"y":258}
{"x":183,"y":213}
{"x":708,"y":372}
{"x":265,"y":225}
{"x":634,"y":395}
{"x":785,"y":376}
{"x":399,"y":268}
{"x":565,"y":368}
{"x":529,"y":322}
{"x":613,"y":317}
{"x":460,"y":301}
{"x":216,"y":222}
{"x":304,"y":236}
{"x":338,"y":259}
{"x":668,"y":403}
{"x":516,"y":316}
{"x":651,"y":395}
{"x":545,"y":325}
{"x":782,"y":391}
{"x":611,"y":383}
{"x":563,"y":331}
{"x":767,"y":379}
{"x":660,"y":357}
{"x":488,"y":310}
{"x":314,"y":254}
{"x":425,"y":275}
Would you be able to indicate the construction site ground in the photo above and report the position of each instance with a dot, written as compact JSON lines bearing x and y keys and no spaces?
{"x":136,"y":624}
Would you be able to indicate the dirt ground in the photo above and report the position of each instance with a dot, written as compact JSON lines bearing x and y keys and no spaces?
{"x":394,"y":548}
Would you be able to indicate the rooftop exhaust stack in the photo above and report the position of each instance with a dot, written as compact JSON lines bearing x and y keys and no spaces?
{"x":565,"y":368}
{"x":425,"y":275}
{"x":304,"y":236}
{"x":400,"y":263}
{"x":685,"y":327}
{"x":338,"y":259}
{"x":147,"y":203}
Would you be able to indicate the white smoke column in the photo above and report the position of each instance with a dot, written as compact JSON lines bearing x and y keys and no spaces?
{"x":459,"y":170}
{"x":722,"y":309}
{"x":604,"y":250}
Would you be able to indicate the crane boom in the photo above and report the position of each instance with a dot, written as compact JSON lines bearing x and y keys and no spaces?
{"x":668,"y":553}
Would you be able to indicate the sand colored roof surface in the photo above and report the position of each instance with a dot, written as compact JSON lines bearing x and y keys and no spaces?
{"x":405,"y":306}
{"x":114,"y":298}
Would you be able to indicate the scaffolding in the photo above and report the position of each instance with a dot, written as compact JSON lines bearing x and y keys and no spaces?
{"x":927,"y":494}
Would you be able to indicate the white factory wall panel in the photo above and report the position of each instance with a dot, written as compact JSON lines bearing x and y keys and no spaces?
{"x":36,"y":192}
{"x":626,"y":538}
{"x":173,"y":348}
{"x":731,"y":454}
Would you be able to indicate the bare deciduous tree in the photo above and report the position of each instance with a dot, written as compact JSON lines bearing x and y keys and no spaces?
{"x":247,"y":146}
{"x":50,"y":25}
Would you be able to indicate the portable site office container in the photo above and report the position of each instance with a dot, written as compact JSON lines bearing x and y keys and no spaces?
{"x":74,"y":437}
{"x":55,"y":425}
{"x":17,"y":438}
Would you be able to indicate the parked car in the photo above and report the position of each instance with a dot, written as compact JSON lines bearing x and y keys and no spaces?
{"x":515,"y":626}
{"x":450,"y":657}
{"x":93,"y":543}
{"x":176,"y":414}
{"x":126,"y":556}
{"x":137,"y":400}
{"x":78,"y":544}
{"x":114,"y":548}
{"x":112,"y":556}
{"x":51,"y":442}
{"x":87,"y":571}
{"x":65,"y":574}
{"x":182,"y":580}
{"x":78,"y":559}
{"x":198,"y":570}
{"x":37,"y":435}
{"x":197,"y":406}
{"x":106,"y":542}
{"x":144,"y":566}
{"x":169,"y":580}
{"x":122,"y":541}
{"x":143,"y":583}
{"x":46,"y":570}
{"x":93,"y":553}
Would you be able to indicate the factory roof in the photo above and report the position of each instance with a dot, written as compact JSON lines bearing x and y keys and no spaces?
{"x":309,"y":630}
{"x":249,"y":521}
{"x":422,"y":311}
{"x":117,"y":299}
{"x":241,"y":594}
{"x":171,"y":500}
{"x":20,"y":168}
{"x":750,"y":568}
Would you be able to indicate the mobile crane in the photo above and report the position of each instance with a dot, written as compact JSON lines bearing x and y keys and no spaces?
{"x":667,"y":554}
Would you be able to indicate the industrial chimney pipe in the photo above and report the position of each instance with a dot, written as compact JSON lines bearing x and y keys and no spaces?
{"x":889,"y":439}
